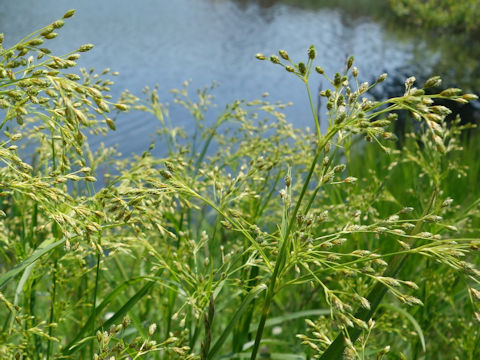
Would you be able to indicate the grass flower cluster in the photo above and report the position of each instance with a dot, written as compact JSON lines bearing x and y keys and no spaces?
{"x":249,"y":237}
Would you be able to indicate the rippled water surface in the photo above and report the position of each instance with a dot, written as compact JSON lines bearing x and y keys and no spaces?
{"x":168,"y":41}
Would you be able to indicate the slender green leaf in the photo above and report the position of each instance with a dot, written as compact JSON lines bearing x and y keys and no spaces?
{"x":43,"y":249}
{"x":218,"y":344}
{"x":75,"y":344}
{"x":19,"y":290}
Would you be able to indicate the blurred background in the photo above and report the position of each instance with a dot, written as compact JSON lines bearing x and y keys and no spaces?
{"x":166,"y":42}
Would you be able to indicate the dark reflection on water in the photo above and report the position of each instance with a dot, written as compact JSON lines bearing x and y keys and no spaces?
{"x":167,"y":42}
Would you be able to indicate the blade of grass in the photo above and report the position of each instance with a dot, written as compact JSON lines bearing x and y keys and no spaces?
{"x":43,"y":249}
{"x":223,"y":337}
{"x":285,"y":245}
{"x":18,"y":292}
{"x":76,"y":343}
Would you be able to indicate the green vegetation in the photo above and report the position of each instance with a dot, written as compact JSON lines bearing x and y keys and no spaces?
{"x":443,"y":15}
{"x":248,"y":238}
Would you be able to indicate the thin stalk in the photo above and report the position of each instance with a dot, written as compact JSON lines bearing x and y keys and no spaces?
{"x":55,"y":266}
{"x":203,"y":152}
{"x":94,"y":301}
{"x":314,"y":113}
{"x":280,"y":261}
{"x":242,"y":336}
{"x":421,"y":313}
{"x":31,"y":306}
{"x":318,"y":187}
{"x":52,"y":308}
{"x":194,"y":338}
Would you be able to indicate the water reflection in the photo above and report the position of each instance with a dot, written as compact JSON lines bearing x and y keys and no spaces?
{"x":167,"y":42}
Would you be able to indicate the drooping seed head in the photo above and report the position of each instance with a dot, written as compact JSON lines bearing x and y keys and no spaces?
{"x":51,"y":36}
{"x":283,"y":54}
{"x":274,"y":59}
{"x":48,"y":30}
{"x":122,"y":107}
{"x":389,"y":136}
{"x":350,"y":180}
{"x":432,"y":82}
{"x":69,"y":14}
{"x":409,"y":82}
{"x":406,"y":210}
{"x":339,"y":168}
{"x":151,"y":329}
{"x":451,"y":92}
{"x":73,"y":57}
{"x":58,"y":24}
{"x":425,"y":234}
{"x":382,"y":78}
{"x":16,"y":137}
{"x":110,"y":124}
{"x":35,"y":42}
{"x":411,"y":285}
{"x":475,"y":293}
{"x":166,"y":174}
{"x":447,"y":202}
{"x":85,"y":47}
{"x":432,"y":218}
{"x":470,"y":97}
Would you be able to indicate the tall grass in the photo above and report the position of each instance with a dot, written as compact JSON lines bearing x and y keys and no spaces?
{"x":248,"y":238}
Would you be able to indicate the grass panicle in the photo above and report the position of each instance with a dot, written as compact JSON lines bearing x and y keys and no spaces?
{"x":242,"y":236}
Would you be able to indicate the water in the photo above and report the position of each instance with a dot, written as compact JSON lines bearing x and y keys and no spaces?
{"x":166,"y":42}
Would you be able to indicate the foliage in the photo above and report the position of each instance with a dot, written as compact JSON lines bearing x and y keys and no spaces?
{"x":247,"y":236}
{"x":449,"y":15}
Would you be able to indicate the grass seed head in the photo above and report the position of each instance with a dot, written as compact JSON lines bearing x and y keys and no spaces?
{"x":283,"y":54}
{"x":312,"y":53}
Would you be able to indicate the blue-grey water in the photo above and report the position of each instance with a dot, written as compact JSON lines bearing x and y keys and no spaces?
{"x":165,"y":42}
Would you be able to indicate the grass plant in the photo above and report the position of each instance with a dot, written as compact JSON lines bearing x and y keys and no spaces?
{"x":248,"y":237}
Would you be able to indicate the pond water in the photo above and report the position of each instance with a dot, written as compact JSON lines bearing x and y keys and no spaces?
{"x":165,"y":42}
